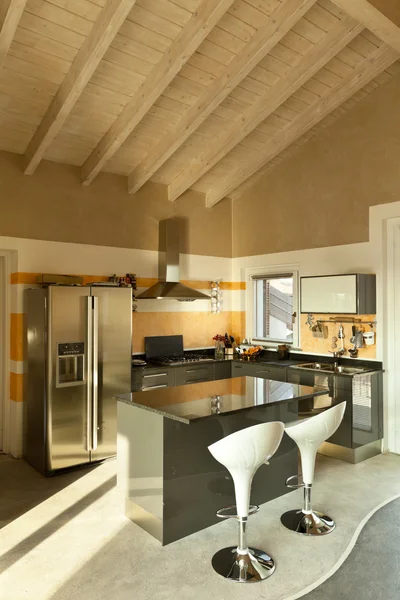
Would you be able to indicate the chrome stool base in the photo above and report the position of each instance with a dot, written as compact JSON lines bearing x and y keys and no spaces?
{"x":314,"y":523}
{"x":251,"y":567}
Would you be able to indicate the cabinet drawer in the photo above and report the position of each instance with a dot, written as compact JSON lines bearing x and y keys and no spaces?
{"x":240,"y":369}
{"x":258,"y":370}
{"x":266,"y":372}
{"x":194,"y":373}
{"x":157,"y":378}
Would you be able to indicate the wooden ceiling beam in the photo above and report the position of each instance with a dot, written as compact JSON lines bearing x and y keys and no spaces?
{"x":373,"y":19}
{"x":193,"y":33}
{"x":334,"y":41}
{"x":281,"y":21}
{"x":89,"y":56}
{"x":365,"y":71}
{"x":10,"y":14}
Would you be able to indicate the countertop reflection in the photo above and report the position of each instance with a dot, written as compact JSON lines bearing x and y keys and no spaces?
{"x":197,"y":401}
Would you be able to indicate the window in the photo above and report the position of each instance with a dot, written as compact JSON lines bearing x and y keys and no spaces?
{"x":274,"y":308}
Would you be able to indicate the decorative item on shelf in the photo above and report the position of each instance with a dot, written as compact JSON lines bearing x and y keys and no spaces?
{"x":128,"y":280}
{"x":283,"y":351}
{"x":319,"y":331}
{"x":310,"y":321}
{"x":216,"y":297}
{"x":219,"y":345}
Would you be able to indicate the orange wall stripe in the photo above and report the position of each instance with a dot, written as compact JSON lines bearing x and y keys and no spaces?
{"x":146,"y":281}
{"x":30,"y":279}
{"x":17,"y":387}
{"x":17,"y":336}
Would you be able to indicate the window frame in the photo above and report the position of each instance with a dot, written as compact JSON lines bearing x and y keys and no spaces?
{"x":272,"y":271}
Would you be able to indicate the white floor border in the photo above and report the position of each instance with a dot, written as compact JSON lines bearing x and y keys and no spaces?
{"x":345,"y":555}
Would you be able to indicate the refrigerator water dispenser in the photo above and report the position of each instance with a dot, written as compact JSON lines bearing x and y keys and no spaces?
{"x":70,"y":364}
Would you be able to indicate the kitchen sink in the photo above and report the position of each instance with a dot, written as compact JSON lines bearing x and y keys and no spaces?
{"x":331,"y":368}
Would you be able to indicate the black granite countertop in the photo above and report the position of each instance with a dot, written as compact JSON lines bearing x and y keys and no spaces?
{"x":197,"y":401}
{"x":269,"y":358}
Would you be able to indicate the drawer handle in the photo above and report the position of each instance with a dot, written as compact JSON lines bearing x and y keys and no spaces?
{"x":264,"y":371}
{"x":154,"y":387}
{"x":197,"y":380}
{"x":196,"y":370}
{"x":155,"y":375}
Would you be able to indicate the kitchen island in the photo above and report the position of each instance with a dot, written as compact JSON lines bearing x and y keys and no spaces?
{"x":172,"y":485}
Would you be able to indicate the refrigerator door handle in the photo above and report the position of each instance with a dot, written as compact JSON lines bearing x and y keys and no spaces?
{"x":89,"y":362}
{"x":95,"y":413}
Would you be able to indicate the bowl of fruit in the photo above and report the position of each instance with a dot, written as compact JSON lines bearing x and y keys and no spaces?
{"x":250,"y":352}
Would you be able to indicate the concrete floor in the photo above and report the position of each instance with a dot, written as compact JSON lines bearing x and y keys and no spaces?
{"x":74,"y":542}
{"x":22,"y":488}
{"x":372,"y":570}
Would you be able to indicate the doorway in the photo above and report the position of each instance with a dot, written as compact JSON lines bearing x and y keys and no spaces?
{"x":5,"y":309}
{"x":392,"y":328}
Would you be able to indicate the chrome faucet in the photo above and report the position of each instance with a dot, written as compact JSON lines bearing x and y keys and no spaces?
{"x":336,"y":355}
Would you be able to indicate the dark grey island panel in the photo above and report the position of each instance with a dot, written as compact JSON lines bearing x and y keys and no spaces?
{"x":173,"y":486}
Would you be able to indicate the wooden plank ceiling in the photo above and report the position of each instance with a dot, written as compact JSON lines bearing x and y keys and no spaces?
{"x":192,"y":94}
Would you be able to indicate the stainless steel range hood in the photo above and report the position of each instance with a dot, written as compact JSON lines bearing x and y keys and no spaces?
{"x":168,"y":285}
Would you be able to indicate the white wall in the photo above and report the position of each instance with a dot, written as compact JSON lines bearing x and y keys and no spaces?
{"x":373,"y":256}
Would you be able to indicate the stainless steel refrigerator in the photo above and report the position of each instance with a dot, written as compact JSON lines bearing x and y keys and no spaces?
{"x":79,"y":353}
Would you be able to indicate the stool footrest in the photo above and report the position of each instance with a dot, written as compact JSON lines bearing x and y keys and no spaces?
{"x":294,"y":486}
{"x":221,"y":513}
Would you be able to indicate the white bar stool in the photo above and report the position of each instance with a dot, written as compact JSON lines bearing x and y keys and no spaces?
{"x":242,"y":453}
{"x":309,"y":435}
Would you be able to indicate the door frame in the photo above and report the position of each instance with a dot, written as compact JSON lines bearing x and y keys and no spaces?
{"x":5,"y":362}
{"x":392,"y":330}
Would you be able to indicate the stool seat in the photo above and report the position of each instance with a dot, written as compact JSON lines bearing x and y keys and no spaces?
{"x":242,"y":453}
{"x":309,"y":435}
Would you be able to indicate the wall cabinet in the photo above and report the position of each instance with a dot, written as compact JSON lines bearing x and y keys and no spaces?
{"x":339,"y":294}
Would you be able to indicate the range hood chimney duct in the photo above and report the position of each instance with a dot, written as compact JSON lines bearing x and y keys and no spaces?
{"x":168,"y":285}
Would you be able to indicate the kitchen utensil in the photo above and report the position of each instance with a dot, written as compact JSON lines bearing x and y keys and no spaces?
{"x":334,"y":342}
{"x":369,"y":338}
{"x":358,"y":339}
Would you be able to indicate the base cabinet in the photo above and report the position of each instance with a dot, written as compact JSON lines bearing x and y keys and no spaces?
{"x":264,"y":371}
{"x":362,"y":422}
{"x":152,"y":378}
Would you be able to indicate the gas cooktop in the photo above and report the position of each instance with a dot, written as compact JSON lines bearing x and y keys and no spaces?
{"x":180,"y":359}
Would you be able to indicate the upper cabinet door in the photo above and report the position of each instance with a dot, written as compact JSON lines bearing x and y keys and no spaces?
{"x":339,"y":294}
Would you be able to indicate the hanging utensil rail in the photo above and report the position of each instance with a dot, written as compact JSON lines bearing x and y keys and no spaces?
{"x":346,"y":320}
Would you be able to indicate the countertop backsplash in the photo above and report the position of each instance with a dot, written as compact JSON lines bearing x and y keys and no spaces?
{"x":321,"y":345}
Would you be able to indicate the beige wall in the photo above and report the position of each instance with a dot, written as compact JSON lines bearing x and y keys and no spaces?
{"x":53,"y":205}
{"x":320,"y":196}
